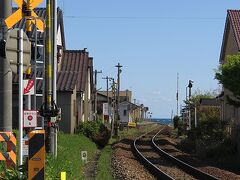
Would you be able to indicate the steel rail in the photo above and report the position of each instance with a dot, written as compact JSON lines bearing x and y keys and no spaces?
{"x":186,"y":167}
{"x":148,"y":164}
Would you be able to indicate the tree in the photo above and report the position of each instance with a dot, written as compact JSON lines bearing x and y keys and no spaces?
{"x":228,"y":74}
{"x":208,"y":117}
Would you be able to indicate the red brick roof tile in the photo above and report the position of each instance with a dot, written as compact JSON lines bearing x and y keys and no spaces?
{"x":73,"y":71}
{"x":234,"y":17}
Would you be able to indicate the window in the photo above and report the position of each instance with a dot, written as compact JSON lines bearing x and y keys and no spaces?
{"x":125,"y":112}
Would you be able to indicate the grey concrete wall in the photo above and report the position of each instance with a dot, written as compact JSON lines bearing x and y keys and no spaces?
{"x":122,"y":107}
{"x":73,"y":111}
{"x":64,"y":102}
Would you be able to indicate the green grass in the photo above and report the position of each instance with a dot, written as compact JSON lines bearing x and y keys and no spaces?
{"x":69,"y":157}
{"x":133,"y":132}
{"x":104,"y":170}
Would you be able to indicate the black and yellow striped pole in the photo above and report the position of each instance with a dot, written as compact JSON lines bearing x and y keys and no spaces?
{"x":48,"y":75}
{"x":49,"y":109}
{"x":36,"y":162}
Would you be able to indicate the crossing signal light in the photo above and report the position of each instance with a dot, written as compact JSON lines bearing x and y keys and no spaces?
{"x":2,"y":48}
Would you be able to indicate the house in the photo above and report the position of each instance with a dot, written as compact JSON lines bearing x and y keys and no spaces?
{"x":213,"y":103}
{"x":102,"y":100}
{"x":127,"y":112}
{"x":231,"y":46}
{"x":75,"y":89}
{"x":74,"y":80}
{"x":138,"y":113}
{"x":123,"y":95}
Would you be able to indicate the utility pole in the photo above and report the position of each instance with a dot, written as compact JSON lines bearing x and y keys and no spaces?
{"x":49,"y":109}
{"x":117,"y":119}
{"x":195,"y":108}
{"x":48,"y":76}
{"x":113,"y":107}
{"x":177,"y":92}
{"x":107,"y":78}
{"x":54,"y":22}
{"x":95,"y":103}
{"x":5,"y":72}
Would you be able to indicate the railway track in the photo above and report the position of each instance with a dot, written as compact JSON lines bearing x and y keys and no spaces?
{"x":160,"y":163}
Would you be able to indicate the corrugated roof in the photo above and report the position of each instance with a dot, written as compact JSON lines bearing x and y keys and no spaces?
{"x":209,"y":102}
{"x":73,"y":70}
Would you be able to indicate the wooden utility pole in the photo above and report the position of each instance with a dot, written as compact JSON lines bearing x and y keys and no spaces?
{"x":177,"y":92}
{"x":113,"y":107}
{"x":117,"y":119}
{"x":107,"y":78}
{"x":95,"y":99}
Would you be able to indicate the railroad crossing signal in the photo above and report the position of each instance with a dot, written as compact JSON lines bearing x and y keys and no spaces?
{"x":25,"y":10}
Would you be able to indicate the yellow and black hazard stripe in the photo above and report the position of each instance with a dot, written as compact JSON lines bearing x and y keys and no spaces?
{"x":10,"y":155}
{"x":36,"y":163}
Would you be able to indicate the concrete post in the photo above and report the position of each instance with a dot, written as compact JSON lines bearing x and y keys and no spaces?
{"x":5,"y":73}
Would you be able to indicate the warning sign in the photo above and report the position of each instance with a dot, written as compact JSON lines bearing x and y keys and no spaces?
{"x":28,"y":86}
{"x":84,"y":156}
{"x":29,"y":118}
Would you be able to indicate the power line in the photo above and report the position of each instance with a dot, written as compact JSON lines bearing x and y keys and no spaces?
{"x":144,"y":17}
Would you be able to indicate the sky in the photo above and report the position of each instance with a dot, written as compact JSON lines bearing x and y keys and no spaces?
{"x":153,"y":40}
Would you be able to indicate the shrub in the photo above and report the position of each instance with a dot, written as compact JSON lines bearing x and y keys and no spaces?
{"x":96,"y":131}
{"x":188,"y":145}
{"x":175,"y":121}
{"x":218,"y":150}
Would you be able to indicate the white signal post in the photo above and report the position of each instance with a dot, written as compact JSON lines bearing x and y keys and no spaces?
{"x":20,"y":107}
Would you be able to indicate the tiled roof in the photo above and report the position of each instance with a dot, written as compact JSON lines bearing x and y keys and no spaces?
{"x":72,"y":73}
{"x":73,"y":70}
{"x":232,"y":21}
{"x":234,"y":17}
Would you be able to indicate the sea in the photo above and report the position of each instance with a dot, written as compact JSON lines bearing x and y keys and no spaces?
{"x":162,"y":121}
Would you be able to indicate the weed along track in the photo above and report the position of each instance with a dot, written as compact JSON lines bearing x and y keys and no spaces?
{"x":168,"y":146}
{"x":161,"y":164}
